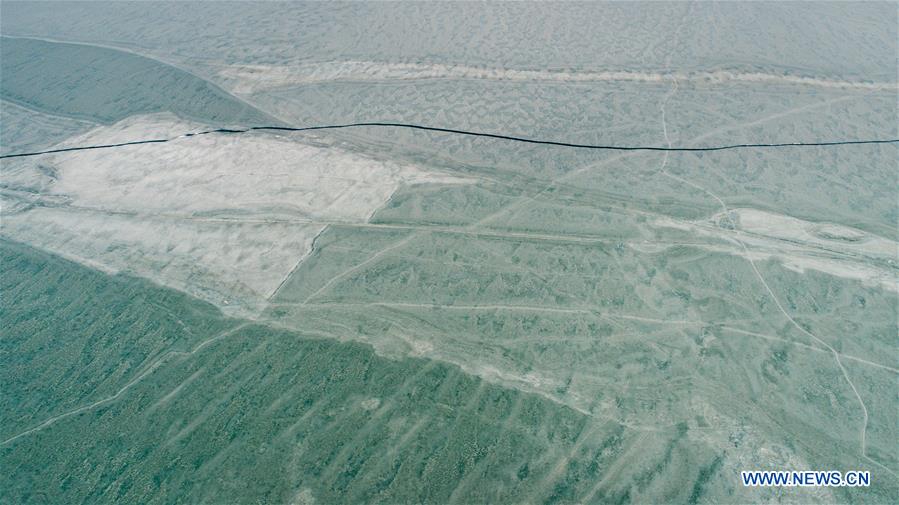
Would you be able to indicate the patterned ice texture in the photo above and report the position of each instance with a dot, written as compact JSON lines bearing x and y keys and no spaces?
{"x":381,"y":315}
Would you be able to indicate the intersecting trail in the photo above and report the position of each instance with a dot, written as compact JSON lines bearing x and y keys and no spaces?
{"x":511,"y":138}
{"x":664,"y":171}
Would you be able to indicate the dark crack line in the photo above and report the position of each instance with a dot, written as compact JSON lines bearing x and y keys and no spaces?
{"x":462,"y":132}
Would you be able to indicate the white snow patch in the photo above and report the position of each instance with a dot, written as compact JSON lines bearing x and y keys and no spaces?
{"x":215,"y":261}
{"x":222,"y":217}
{"x":247,"y":79}
{"x":823,"y":234}
{"x":800,"y":245}
{"x":251,"y":173}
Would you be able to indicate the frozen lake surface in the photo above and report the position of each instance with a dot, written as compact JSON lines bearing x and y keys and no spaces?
{"x":395,"y":315}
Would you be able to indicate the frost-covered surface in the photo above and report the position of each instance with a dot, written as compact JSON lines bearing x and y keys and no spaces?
{"x":441,"y":318}
{"x":243,"y":79}
{"x":252,"y":175}
{"x":225,"y":218}
{"x":855,"y":41}
{"x":24,"y":130}
{"x":837,"y":250}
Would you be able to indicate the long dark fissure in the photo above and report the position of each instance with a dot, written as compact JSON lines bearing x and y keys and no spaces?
{"x":463,"y":132}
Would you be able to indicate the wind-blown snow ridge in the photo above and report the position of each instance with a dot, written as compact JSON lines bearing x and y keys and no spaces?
{"x":252,"y":78}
